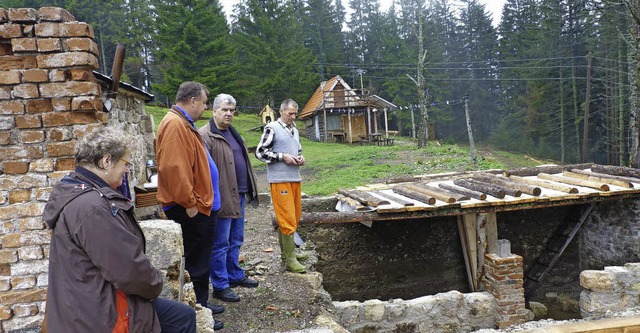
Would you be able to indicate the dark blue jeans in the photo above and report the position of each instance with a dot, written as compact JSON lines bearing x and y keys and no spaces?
{"x":227,"y":241}
{"x":197,"y":239}
{"x":175,"y":317}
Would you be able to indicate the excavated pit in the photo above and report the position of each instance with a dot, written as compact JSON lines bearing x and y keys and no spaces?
{"x":413,"y":258}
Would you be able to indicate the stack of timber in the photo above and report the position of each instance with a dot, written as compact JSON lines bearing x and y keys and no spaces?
{"x":494,"y":190}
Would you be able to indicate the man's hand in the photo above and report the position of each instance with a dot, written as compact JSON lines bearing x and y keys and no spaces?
{"x":290,"y":159}
{"x":300,"y":160}
{"x":192,"y":211}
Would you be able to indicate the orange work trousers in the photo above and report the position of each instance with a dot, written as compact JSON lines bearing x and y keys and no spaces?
{"x":287,"y":204}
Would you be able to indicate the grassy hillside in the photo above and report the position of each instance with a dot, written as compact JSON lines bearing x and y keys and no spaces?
{"x":332,"y":166}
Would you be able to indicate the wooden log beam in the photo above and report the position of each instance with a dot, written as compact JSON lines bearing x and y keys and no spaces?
{"x":355,"y":204}
{"x":337,"y":217}
{"x":364,"y":197}
{"x":508,"y":190}
{"x":545,"y":184}
{"x":616,"y":170}
{"x":401,"y":179}
{"x":395,"y":199}
{"x":509,"y":183}
{"x":409,"y":192}
{"x":596,"y":179}
{"x":481,"y":187}
{"x":442,"y":195}
{"x":462,"y":190}
{"x":606,"y":176}
{"x":469,"y":222}
{"x":573,"y":181}
{"x":524,"y":172}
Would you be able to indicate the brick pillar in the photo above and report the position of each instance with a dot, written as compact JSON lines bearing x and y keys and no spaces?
{"x":48,"y":99}
{"x":504,"y":279}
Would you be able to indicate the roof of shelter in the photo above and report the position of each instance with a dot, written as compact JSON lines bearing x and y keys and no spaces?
{"x":381,"y":102}
{"x":494,"y":190}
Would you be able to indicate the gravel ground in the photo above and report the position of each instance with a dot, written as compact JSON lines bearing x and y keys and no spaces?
{"x":283,"y":301}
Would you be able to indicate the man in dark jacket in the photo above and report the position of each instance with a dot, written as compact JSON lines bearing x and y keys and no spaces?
{"x":237,"y":184}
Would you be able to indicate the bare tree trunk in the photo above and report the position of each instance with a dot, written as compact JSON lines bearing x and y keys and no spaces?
{"x":634,"y":56}
{"x":423,"y":131}
{"x":471,"y":143}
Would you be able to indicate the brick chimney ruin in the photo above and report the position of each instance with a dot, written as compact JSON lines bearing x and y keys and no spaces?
{"x":49,"y":97}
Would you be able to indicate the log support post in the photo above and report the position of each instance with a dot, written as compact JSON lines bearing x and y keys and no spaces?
{"x":478,"y":236}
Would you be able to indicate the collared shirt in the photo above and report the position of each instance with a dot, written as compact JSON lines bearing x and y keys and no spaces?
{"x":264,"y":151}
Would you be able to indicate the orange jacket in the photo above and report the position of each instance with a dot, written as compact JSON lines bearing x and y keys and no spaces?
{"x":183,"y":167}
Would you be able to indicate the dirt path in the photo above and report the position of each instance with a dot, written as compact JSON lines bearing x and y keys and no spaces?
{"x":283,"y":301}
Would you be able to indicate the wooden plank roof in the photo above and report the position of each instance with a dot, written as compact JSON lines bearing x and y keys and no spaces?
{"x":482,"y":191}
{"x":352,"y":99}
{"x":315,"y":102}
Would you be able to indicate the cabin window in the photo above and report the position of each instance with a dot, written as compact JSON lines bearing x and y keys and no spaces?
{"x":333,"y":123}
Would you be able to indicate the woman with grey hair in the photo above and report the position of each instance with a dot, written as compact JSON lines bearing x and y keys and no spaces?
{"x":100,"y":279}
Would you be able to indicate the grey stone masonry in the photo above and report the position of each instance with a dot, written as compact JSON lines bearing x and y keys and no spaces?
{"x":446,"y":312}
{"x":613,"y":289}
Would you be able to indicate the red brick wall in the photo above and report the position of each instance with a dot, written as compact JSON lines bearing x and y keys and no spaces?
{"x":48,"y":99}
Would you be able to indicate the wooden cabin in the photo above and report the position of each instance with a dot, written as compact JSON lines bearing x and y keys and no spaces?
{"x":337,"y":113}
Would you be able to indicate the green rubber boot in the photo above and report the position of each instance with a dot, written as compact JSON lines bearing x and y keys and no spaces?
{"x":299,"y":255}
{"x":290,"y":253}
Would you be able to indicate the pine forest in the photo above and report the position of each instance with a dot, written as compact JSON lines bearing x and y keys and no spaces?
{"x":556,"y":79}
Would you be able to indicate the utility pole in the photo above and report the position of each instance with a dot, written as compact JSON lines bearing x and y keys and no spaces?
{"x":361,"y":72}
{"x":471,"y":143}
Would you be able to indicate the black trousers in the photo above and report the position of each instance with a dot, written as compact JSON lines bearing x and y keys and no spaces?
{"x":197,"y":238}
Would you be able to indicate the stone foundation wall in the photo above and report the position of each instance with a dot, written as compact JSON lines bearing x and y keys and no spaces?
{"x":613,"y":289}
{"x":610,"y":236}
{"x":445,"y":312}
{"x":128,"y":114}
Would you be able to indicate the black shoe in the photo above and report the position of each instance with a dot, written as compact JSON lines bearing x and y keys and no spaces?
{"x":217,"y":325}
{"x":226,"y":295}
{"x":215,"y":309}
{"x":245,"y":282}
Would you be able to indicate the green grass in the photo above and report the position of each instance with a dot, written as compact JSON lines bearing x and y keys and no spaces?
{"x":330,"y":167}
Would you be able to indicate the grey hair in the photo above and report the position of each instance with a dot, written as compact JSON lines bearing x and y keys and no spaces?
{"x":288,"y":103}
{"x":104,"y":141}
{"x":221,"y":99}
{"x":190,"y":89}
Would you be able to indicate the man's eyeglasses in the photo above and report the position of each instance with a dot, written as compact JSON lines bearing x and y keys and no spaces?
{"x":127,"y":164}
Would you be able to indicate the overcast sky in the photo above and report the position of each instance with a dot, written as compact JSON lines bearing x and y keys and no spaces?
{"x":493,"y":6}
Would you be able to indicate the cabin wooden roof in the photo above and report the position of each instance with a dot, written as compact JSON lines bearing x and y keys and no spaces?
{"x":316,"y":101}
{"x":494,"y":190}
